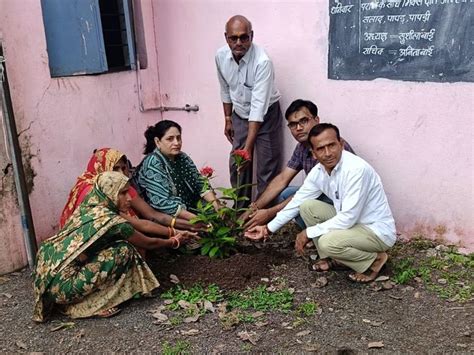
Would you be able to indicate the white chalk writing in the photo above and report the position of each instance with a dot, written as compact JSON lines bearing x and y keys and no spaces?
{"x":416,"y":52}
{"x":396,"y":18}
{"x":420,"y":17}
{"x":373,"y":19}
{"x":373,"y":50}
{"x":375,"y":36}
{"x":341,"y":9}
{"x":409,"y":3}
{"x":412,"y":35}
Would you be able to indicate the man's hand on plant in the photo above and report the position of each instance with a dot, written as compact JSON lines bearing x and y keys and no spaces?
{"x":257,"y":233}
{"x":258,"y":218}
{"x":246,"y":215}
{"x":301,"y":241}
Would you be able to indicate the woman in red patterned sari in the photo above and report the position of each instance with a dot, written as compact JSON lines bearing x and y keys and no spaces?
{"x":108,"y":159}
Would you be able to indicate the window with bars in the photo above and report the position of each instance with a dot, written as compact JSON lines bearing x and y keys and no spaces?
{"x":88,"y":36}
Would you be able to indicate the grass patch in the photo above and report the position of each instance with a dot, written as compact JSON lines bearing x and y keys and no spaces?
{"x":307,"y":309}
{"x":195,"y":294}
{"x":180,"y":348}
{"x":443,"y":270}
{"x":260,"y":299}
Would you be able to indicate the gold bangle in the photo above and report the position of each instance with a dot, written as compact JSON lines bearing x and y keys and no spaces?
{"x":173,"y":222}
{"x":228,"y":118}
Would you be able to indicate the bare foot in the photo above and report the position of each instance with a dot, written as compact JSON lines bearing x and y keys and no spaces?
{"x":374,"y":269}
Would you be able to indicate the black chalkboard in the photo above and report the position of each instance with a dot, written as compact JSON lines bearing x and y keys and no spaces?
{"x":416,"y":40}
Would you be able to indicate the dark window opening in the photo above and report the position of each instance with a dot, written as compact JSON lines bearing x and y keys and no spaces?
{"x":114,"y":31}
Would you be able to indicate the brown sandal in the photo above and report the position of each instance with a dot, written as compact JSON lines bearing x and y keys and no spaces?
{"x":326,"y":264}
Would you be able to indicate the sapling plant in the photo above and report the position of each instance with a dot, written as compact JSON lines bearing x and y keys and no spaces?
{"x":224,"y":225}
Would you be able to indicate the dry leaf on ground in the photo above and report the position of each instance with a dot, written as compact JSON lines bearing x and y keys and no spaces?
{"x":303,"y":333}
{"x":174,"y":279}
{"x":252,"y":337}
{"x":191,"y":319}
{"x":63,"y":325}
{"x":375,"y":345}
{"x":320,"y":282}
{"x":257,"y":314}
{"x":160,"y":317}
{"x":184,"y":304}
{"x":21,"y":345}
{"x":189,"y":332}
{"x":208,"y":306}
{"x":312,"y":347}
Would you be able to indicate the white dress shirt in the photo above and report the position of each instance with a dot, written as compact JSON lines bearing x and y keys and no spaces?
{"x":358,"y":196}
{"x":249,"y":85}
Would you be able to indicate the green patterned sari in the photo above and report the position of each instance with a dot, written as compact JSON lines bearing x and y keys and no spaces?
{"x":89,"y":266}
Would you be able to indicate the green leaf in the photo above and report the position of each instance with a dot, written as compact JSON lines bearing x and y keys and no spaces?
{"x":205,"y":249}
{"x":213,"y":251}
{"x":223,"y":231}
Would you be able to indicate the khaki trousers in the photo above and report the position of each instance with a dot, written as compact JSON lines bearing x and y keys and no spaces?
{"x":356,"y":247}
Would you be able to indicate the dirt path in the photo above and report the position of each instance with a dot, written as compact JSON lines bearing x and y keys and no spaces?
{"x":346,"y":317}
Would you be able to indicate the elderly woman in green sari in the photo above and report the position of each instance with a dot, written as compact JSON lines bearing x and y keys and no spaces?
{"x":91,"y":266}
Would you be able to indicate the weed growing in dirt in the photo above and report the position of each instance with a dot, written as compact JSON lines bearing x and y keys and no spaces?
{"x":261,"y":299}
{"x":246,"y":347}
{"x":180,"y":348}
{"x":246,"y":318}
{"x":307,"y":309}
{"x":444,"y":271}
{"x":195,"y":294}
{"x":404,"y":271}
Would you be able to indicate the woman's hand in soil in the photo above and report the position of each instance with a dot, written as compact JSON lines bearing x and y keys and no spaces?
{"x":301,"y":241}
{"x":186,"y":236}
{"x":257,"y":233}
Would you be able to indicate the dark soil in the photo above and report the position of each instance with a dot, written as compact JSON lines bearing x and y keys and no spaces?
{"x":405,"y":318}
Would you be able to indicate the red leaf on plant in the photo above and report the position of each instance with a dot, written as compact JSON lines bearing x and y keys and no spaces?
{"x":207,"y":171}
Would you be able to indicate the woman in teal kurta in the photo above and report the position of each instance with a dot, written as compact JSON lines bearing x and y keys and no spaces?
{"x":167,"y":178}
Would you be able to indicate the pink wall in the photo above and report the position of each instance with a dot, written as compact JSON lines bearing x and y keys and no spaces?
{"x":417,"y":135}
{"x":66,"y":118}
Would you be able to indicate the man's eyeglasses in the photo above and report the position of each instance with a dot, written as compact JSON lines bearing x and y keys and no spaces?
{"x":302,"y":122}
{"x":243,"y":38}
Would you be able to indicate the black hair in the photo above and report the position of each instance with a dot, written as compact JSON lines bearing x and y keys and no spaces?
{"x":298,"y":105}
{"x":157,"y":131}
{"x":320,"y":128}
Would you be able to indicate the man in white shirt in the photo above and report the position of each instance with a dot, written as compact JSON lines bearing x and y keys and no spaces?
{"x":358,"y":229}
{"x":250,"y":101}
